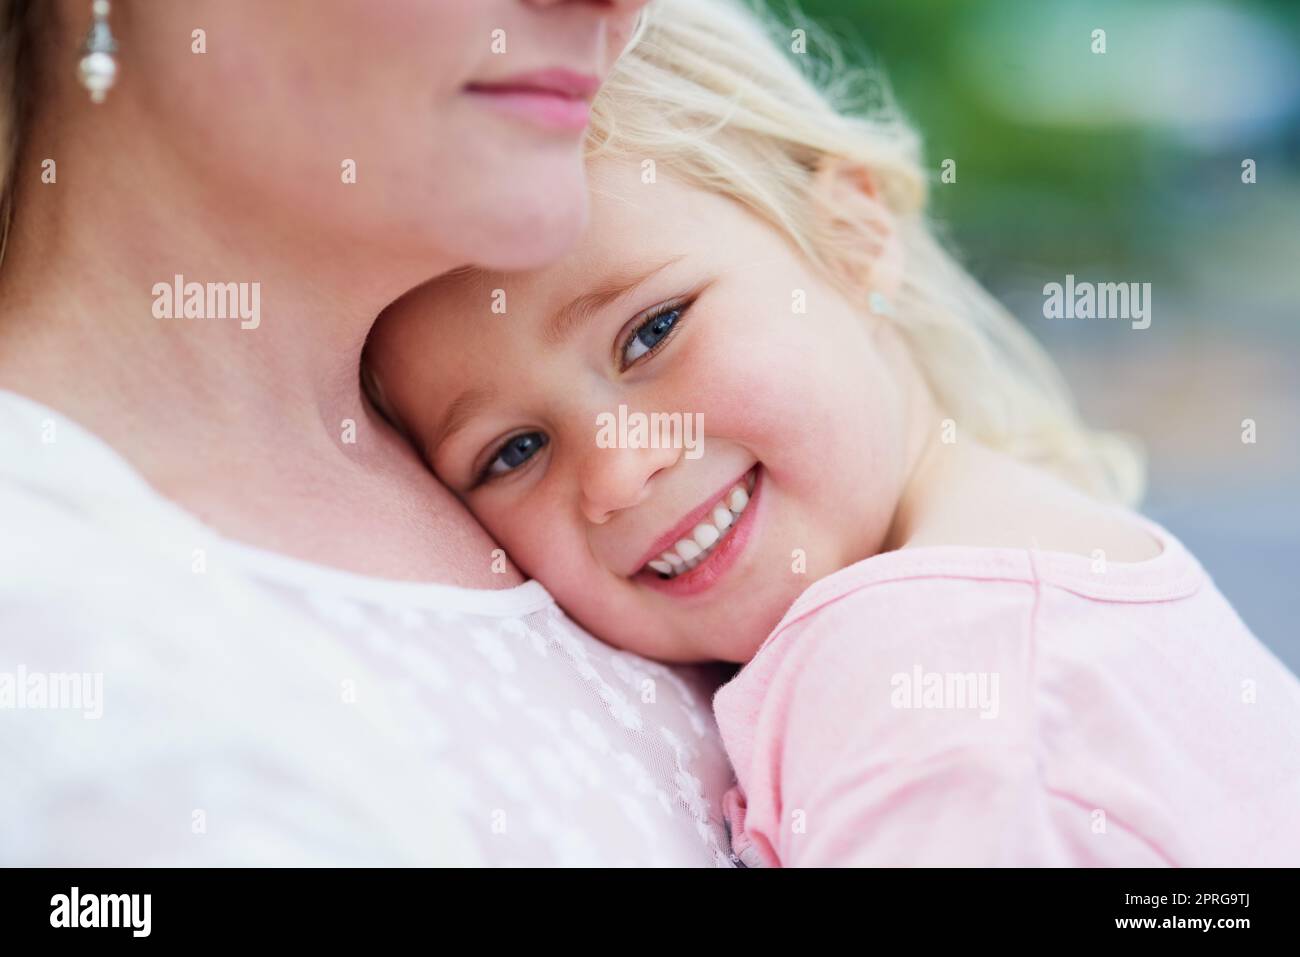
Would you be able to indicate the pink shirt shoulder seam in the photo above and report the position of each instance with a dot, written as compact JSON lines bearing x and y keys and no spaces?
{"x":1172,"y":575}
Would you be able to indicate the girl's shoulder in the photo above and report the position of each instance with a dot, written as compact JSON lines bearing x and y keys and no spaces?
{"x":992,"y":500}
{"x":953,"y":587}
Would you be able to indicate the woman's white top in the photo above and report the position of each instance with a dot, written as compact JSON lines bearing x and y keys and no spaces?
{"x":170,"y":697}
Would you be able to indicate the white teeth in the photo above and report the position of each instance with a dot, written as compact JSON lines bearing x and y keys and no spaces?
{"x":690,"y":552}
{"x":722,"y":517}
{"x":705,"y":535}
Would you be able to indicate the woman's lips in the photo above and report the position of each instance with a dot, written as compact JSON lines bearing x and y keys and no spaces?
{"x":556,"y":99}
{"x":719,"y":560}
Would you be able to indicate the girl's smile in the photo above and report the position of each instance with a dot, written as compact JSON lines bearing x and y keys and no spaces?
{"x":706,"y":544}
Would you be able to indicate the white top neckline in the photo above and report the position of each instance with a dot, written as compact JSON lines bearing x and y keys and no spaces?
{"x":115,"y":475}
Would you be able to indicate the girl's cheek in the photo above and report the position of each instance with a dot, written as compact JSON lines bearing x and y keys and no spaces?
{"x":550,"y":543}
{"x":725,"y":371}
{"x":517,"y":528}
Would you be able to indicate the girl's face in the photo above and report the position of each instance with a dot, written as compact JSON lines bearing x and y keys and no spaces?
{"x":675,"y":301}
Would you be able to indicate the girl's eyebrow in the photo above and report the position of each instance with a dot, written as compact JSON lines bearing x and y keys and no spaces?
{"x":466,"y":405}
{"x":568,"y":318}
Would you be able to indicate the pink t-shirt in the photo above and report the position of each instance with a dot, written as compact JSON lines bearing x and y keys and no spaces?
{"x":976,"y":706}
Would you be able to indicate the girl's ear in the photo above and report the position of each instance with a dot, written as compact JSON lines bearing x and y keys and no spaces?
{"x":850,"y":211}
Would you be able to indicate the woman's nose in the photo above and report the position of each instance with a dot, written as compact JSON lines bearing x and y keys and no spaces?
{"x":615,"y":478}
{"x":620,"y":21}
{"x":617,"y":10}
{"x":619,"y":6}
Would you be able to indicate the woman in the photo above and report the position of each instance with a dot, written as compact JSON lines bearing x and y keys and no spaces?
{"x":221,"y":632}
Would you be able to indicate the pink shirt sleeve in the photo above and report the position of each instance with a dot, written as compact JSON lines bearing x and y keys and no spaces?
{"x":865,"y":774}
{"x":955,"y":709}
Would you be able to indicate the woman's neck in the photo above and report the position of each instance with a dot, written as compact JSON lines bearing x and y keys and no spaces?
{"x":219,"y":414}
{"x":87,"y":251}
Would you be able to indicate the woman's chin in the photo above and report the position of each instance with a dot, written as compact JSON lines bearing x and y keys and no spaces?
{"x":529,"y":224}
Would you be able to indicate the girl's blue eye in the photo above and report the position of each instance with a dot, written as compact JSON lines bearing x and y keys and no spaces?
{"x":650,"y":333}
{"x":515,"y":453}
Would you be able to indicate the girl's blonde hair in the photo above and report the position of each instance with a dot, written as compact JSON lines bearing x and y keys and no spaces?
{"x":706,"y":93}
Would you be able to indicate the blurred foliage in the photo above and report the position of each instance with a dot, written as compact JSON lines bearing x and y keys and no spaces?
{"x":1126,"y":163}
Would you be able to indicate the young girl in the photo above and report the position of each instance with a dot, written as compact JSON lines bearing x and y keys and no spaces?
{"x":958,"y":646}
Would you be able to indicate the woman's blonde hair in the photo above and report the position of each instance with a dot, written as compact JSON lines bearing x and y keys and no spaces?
{"x":707,"y":92}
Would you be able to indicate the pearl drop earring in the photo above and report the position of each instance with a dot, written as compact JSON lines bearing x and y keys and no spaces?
{"x":880,"y":304}
{"x":97,"y":69}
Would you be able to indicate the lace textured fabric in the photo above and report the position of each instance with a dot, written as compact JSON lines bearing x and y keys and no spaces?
{"x":257,"y":709}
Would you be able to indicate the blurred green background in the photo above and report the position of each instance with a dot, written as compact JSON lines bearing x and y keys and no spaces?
{"x":1127,"y":167}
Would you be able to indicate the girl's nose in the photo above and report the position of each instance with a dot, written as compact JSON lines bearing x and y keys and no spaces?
{"x":615,"y":479}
